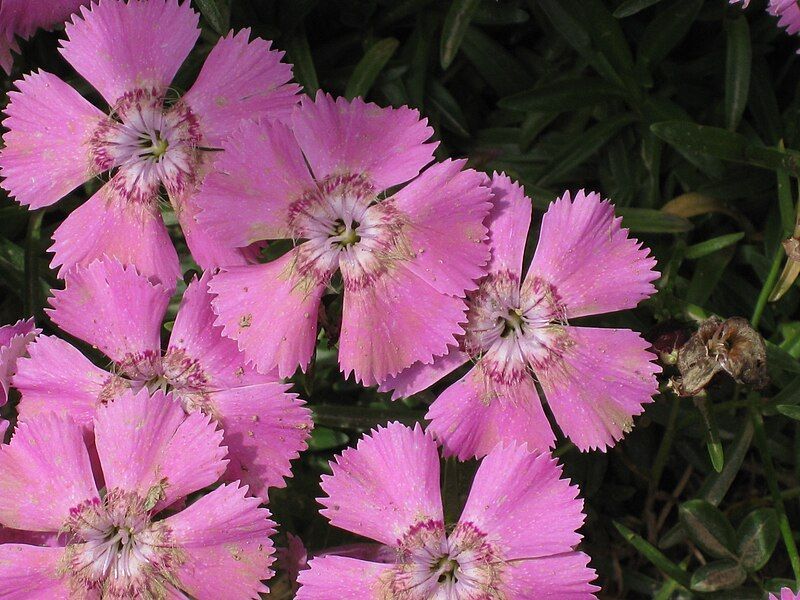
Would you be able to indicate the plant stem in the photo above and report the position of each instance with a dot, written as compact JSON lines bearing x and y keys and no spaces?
{"x":772,"y":483}
{"x":766,"y":290}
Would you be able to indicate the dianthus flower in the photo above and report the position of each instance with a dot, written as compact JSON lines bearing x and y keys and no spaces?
{"x":405,"y":260}
{"x":125,"y":540}
{"x":120,"y":312}
{"x":130,"y":53}
{"x":516,"y":537}
{"x":786,"y":594}
{"x":595,"y":380}
{"x":788,"y":13}
{"x":21,"y":18}
{"x":14,"y":340}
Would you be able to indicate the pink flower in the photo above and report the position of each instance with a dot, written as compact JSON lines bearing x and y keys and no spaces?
{"x":120,"y":312}
{"x":14,"y":340}
{"x":516,"y":537}
{"x":21,"y":18}
{"x":786,"y":594}
{"x":405,"y":260}
{"x":121,"y":542}
{"x":130,"y":54}
{"x":788,"y":13}
{"x":595,"y":380}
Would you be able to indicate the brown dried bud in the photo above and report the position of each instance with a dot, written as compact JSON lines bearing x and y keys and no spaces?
{"x":792,"y":247}
{"x":731,"y":346}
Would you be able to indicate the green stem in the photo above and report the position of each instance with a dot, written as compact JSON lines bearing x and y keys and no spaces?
{"x":666,"y":444}
{"x":769,"y":284}
{"x":33,"y":290}
{"x":772,"y":483}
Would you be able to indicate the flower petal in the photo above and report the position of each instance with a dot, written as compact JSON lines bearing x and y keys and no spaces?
{"x":113,"y":308}
{"x":520,"y":500}
{"x":224,"y":539}
{"x":420,"y":376}
{"x":445,"y":208}
{"x":106,"y":225}
{"x":14,"y":341}
{"x":476,"y":413}
{"x":562,"y":577}
{"x":32,"y":572}
{"x":394,"y":321}
{"x":589,"y":259}
{"x":46,"y":152}
{"x":385,"y":485}
{"x":508,"y":223}
{"x":58,"y":378}
{"x":240,"y":80}
{"x":599,"y":384}
{"x":121,"y":46}
{"x":44,"y":472}
{"x":387,"y":145}
{"x":342,"y":578}
{"x":271,"y":311}
{"x":260,"y":173}
{"x":148,"y":445}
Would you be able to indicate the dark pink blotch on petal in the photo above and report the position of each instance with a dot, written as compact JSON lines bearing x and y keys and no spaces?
{"x":385,"y":485}
{"x":599,"y":383}
{"x":342,"y":578}
{"x":46,"y":153}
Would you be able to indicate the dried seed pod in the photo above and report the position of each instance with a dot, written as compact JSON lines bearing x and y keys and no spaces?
{"x":732,"y":346}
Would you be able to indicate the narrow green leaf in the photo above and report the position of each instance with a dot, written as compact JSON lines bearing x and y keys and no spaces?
{"x":758,"y":535}
{"x":397,"y":11}
{"x":701,"y":249}
{"x":455,"y":27}
{"x":708,"y":528}
{"x":631,"y":7}
{"x":495,"y":14}
{"x":738,"y":61}
{"x":718,"y":575}
{"x":34,"y":301}
{"x":790,"y":410}
{"x":779,"y":359}
{"x":648,"y":220}
{"x":362,"y":418}
{"x":497,"y":66}
{"x":563,"y":96}
{"x":217,"y":13}
{"x":666,"y":30}
{"x":323,"y":438}
{"x":450,"y":113}
{"x":654,"y":555}
{"x":300,"y":56}
{"x":369,"y":67}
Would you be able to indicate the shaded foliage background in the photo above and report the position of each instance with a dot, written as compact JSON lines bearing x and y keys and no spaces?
{"x":564,"y":94}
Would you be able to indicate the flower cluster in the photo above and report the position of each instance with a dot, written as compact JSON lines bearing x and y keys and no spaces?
{"x":147,"y":476}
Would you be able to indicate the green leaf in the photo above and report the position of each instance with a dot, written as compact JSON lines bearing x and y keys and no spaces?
{"x":654,"y":555}
{"x":323,"y":438}
{"x":708,"y":528}
{"x":718,"y":575}
{"x":738,"y":61}
{"x":758,"y":535}
{"x":497,"y":66}
{"x":495,"y":14}
{"x":790,"y":410}
{"x":666,"y":30}
{"x":631,"y":7}
{"x":707,"y":247}
{"x":648,"y":220}
{"x":450,"y":113}
{"x":369,"y":67}
{"x":303,"y":63}
{"x":563,"y":96}
{"x":781,"y":360}
{"x":455,"y":27}
{"x":217,"y":13}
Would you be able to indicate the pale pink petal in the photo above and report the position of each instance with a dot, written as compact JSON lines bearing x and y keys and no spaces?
{"x":589,"y":259}
{"x":342,"y":578}
{"x":265,"y":428}
{"x":421,"y":376}
{"x":599,"y":383}
{"x":260,"y":173}
{"x":148,"y":445}
{"x":224,"y":540}
{"x":393,"y":322}
{"x":508,"y":223}
{"x":562,"y":577}
{"x":385,"y":485}
{"x":119,"y":47}
{"x":786,"y":594}
{"x":444,"y":210}
{"x":32,"y":572}
{"x":14,"y":340}
{"x":386,"y":145}
{"x":58,"y":378}
{"x":788,"y":13}
{"x":106,"y":225}
{"x":113,"y":308}
{"x":476,"y":413}
{"x":240,"y":80}
{"x":46,"y":152}
{"x":520,"y":500}
{"x":271,"y":311}
{"x":44,"y":472}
